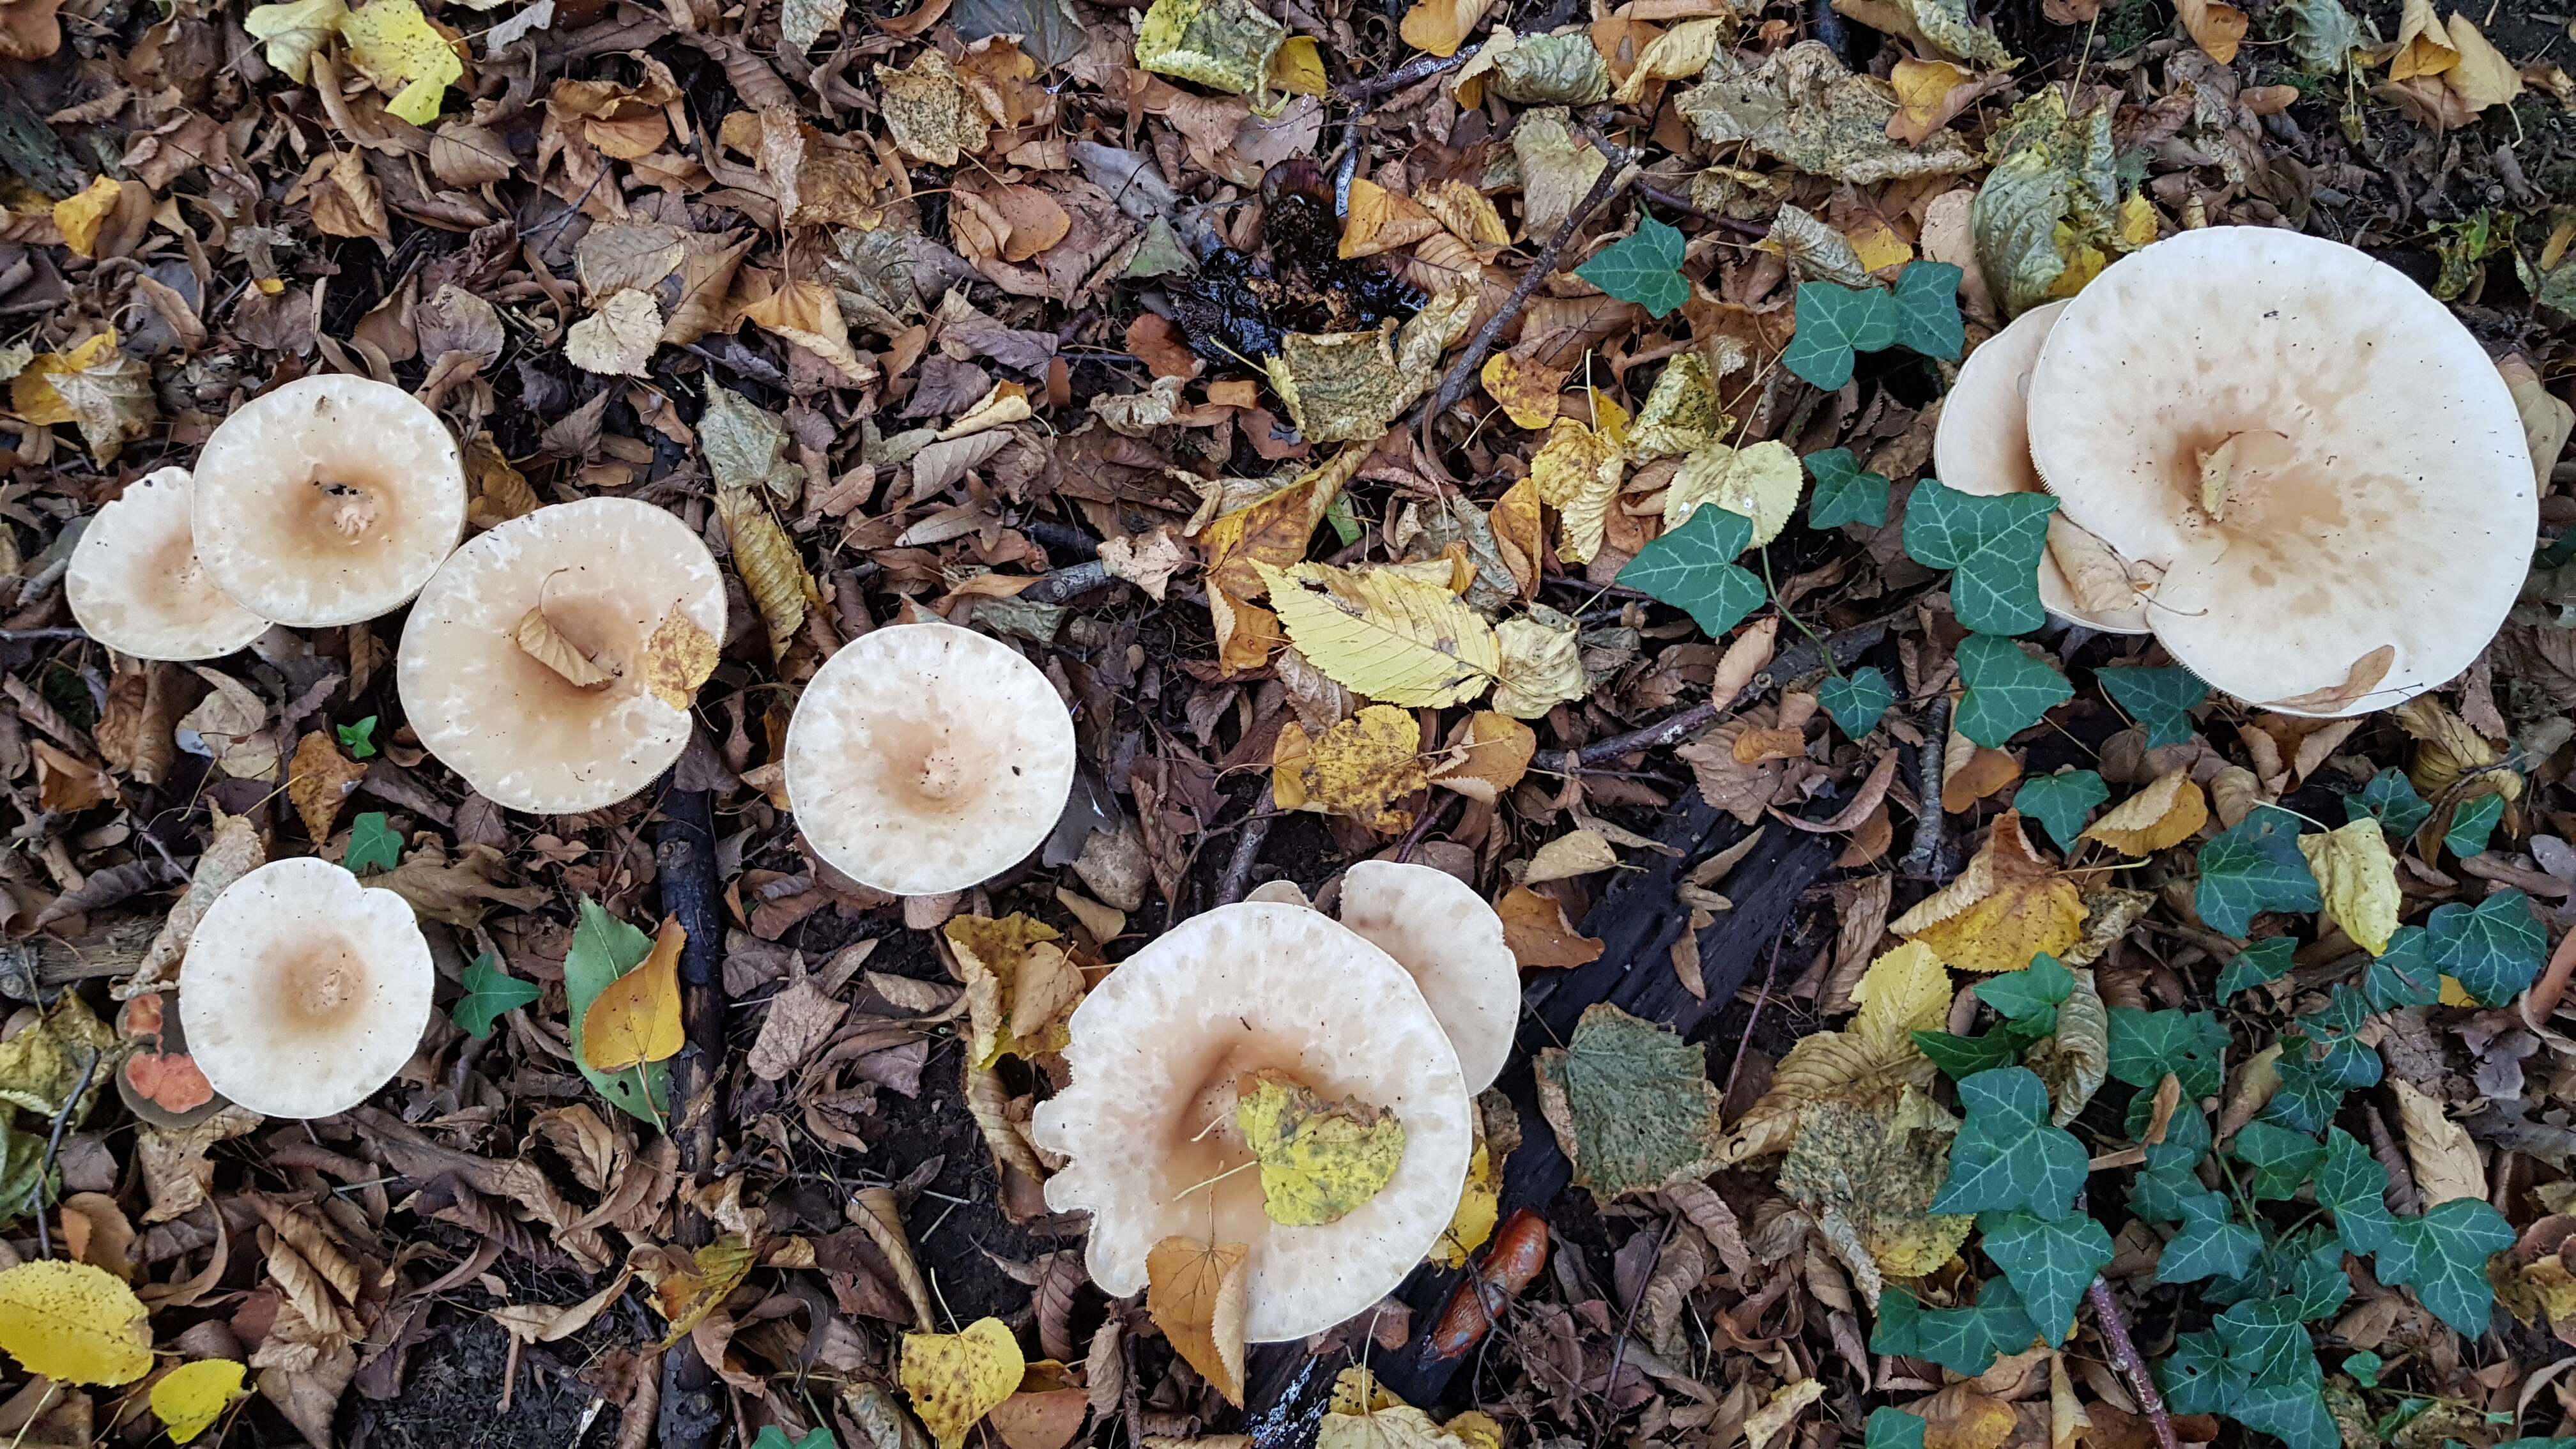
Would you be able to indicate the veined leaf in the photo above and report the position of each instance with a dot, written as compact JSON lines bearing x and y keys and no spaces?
{"x":2060,"y":803}
{"x":1844,"y":493}
{"x":1693,"y":569}
{"x":2006,"y":690}
{"x":1993,"y":547}
{"x":2050,"y":1262}
{"x":1643,"y":267}
{"x":1385,"y":634}
{"x":2007,"y":1155}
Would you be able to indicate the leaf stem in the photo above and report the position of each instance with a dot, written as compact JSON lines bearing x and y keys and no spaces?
{"x":1801,"y":625}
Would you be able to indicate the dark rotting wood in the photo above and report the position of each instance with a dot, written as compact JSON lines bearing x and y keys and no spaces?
{"x":684,"y":859}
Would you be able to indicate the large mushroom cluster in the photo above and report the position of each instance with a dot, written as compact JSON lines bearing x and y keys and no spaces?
{"x":2277,"y":455}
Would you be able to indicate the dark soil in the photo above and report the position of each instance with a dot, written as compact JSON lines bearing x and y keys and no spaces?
{"x":451,"y":1398}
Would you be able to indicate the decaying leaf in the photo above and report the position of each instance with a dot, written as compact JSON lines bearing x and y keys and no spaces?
{"x":2168,"y":812}
{"x":1198,"y":1296}
{"x":1631,"y":1104}
{"x":955,"y":1379}
{"x":1320,"y":1160}
{"x":1020,"y":985}
{"x":1360,"y":768}
{"x":2005,"y":908}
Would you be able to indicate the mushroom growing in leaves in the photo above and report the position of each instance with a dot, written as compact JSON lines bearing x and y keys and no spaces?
{"x":552,"y":660}
{"x":1187,"y":1055}
{"x":304,"y":991}
{"x":1439,"y":930}
{"x":925,"y":758}
{"x":135,"y":583}
{"x":2314,"y":461}
{"x":1983,"y":446}
{"x":329,"y":500}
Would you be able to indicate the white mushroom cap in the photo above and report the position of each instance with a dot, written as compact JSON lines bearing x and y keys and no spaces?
{"x":135,"y":584}
{"x":2373,"y":486}
{"x":606,"y":571}
{"x":1982,"y":446}
{"x":1437,"y":928}
{"x":304,"y":991}
{"x":329,"y":500}
{"x":1156,"y":1049}
{"x":926,"y":758}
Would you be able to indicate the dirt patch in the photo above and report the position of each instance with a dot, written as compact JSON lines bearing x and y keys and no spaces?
{"x":452,"y":1397}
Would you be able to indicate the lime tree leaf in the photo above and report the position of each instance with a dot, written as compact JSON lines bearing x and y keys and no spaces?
{"x":2256,"y":964}
{"x":1858,"y":699}
{"x":2471,"y":824}
{"x":2390,"y":799}
{"x":2443,"y":1254}
{"x":1320,"y":1160}
{"x":1631,"y":1104}
{"x":1833,"y":323}
{"x":2209,"y":1245}
{"x":1693,"y":569}
{"x":603,"y":949}
{"x":373,"y":844}
{"x":2353,"y":1186}
{"x":2007,"y":1155}
{"x":1644,"y":267}
{"x":2007,"y":691}
{"x":2061,"y":803}
{"x":2281,"y":1158}
{"x":2253,"y":867}
{"x":1927,"y":310}
{"x":1962,"y":1340}
{"x":489,"y":991}
{"x":2404,"y":974}
{"x":2159,"y":699}
{"x":1991,"y":545}
{"x":2190,"y":1044}
{"x":1893,"y":1429}
{"x":1844,"y":493}
{"x":2049,"y":1263}
{"x":2493,"y":950}
{"x":2034,"y":992}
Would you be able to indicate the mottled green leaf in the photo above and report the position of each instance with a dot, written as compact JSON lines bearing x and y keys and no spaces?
{"x":2007,"y":1154}
{"x":1857,"y":700}
{"x":2493,"y":949}
{"x":2390,"y":799}
{"x":2190,"y":1044}
{"x":2210,"y":1245}
{"x":2050,"y":1263}
{"x":2281,"y":1159}
{"x":2404,"y":974}
{"x":1631,"y":1103}
{"x":2353,"y":1186}
{"x":2256,"y":964}
{"x":1833,"y":323}
{"x":2443,"y":1255}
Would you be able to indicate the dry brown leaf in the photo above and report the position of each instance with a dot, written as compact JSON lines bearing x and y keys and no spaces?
{"x":2168,"y":812}
{"x":1198,"y":1296}
{"x":1488,"y":754}
{"x":2446,"y":1162}
{"x":676,"y":660}
{"x":2215,"y":27}
{"x":1534,"y":926}
{"x":538,"y":638}
{"x":2005,"y":908}
{"x":319,"y":779}
{"x":766,"y":559}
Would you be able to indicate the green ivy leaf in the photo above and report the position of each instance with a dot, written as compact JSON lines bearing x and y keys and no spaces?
{"x":2307,"y":1098}
{"x":2304,"y":1271}
{"x":1927,"y":310}
{"x":2035,"y":991}
{"x":2471,"y":824}
{"x":2267,"y":1345}
{"x":1645,"y":267}
{"x":2161,"y":700}
{"x":2295,"y":1414}
{"x":2190,"y":1044}
{"x":2363,"y":1368}
{"x":2049,"y":1263}
{"x":2209,"y":1245}
{"x":2404,"y":974}
{"x":1893,"y":1429}
{"x":1962,"y":1340}
{"x":1833,"y":323}
{"x":1960,"y":1057}
{"x":773,"y":1437}
{"x":2281,"y":1158}
{"x":2443,"y":1254}
{"x":2007,"y":1155}
{"x":2253,"y":867}
{"x":603,"y":949}
{"x":2256,"y":964}
{"x":1693,"y":569}
{"x":2007,"y":690}
{"x":2390,"y":799}
{"x":489,"y":991}
{"x":1858,"y":699}
{"x":1844,"y":493}
{"x":359,"y":739}
{"x":1992,"y":545}
{"x":2187,"y":1132}
{"x":2060,"y":804}
{"x":373,"y":844}
{"x":2354,"y":1187}
{"x":2492,"y":950}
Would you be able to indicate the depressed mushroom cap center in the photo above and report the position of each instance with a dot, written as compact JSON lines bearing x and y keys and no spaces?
{"x":1205,"y":1143}
{"x":317,"y":986}
{"x":348,"y":509}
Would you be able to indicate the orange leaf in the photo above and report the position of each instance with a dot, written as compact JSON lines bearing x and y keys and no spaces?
{"x":637,"y":1019}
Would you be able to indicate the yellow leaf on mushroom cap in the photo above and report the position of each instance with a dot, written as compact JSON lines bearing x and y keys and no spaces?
{"x":1320,"y":1161}
{"x":2005,"y":908}
{"x":73,"y":1322}
{"x":677,"y":659}
{"x":2357,"y":878}
{"x":637,"y":1019}
{"x":955,"y":1379}
{"x":1197,"y":1295}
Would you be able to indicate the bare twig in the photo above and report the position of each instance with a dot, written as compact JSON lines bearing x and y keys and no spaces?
{"x":1058,"y":585}
{"x":1931,"y":822}
{"x":2124,"y":1357}
{"x":33,"y":636}
{"x":54,"y":1145}
{"x":1796,"y":662}
{"x":1237,"y":880}
{"x":1619,"y":1350}
{"x":1412,"y":73}
{"x":1462,"y":373}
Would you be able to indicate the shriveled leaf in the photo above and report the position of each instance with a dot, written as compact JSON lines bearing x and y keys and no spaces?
{"x":1198,"y":1295}
{"x":1631,"y":1104}
{"x":2007,"y":907}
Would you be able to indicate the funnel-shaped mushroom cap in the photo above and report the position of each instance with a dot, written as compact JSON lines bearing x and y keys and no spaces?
{"x":605,"y":572}
{"x":304,"y":991}
{"x":330,"y":500}
{"x":1441,"y":931}
{"x":2319,"y":459}
{"x":136,"y":586}
{"x":1983,"y":446}
{"x":1157,"y":1048}
{"x":927,"y":758}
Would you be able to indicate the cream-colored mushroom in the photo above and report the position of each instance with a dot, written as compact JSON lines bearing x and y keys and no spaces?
{"x":303,"y":990}
{"x":135,"y":583}
{"x":1443,"y":933}
{"x":527,"y":664}
{"x":1982,"y":446}
{"x":329,"y":500}
{"x":2314,"y":459}
{"x":1148,"y":1122}
{"x":925,"y":758}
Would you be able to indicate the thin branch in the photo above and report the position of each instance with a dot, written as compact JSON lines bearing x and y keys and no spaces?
{"x":1412,"y":73}
{"x":1931,"y":822}
{"x":53,"y":1146}
{"x":1462,"y":374}
{"x":1796,"y":662}
{"x":1236,"y":883}
{"x":2124,"y":1357}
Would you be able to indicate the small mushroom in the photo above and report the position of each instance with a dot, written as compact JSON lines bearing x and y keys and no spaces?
{"x":328,"y":500}
{"x":526,"y":665}
{"x":1983,"y":446}
{"x":304,"y":991}
{"x":136,"y":586}
{"x":2313,"y":459}
{"x":1439,"y":930}
{"x":925,"y":758}
{"x":1149,"y":1123}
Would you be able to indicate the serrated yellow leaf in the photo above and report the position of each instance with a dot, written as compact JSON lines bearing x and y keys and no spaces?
{"x":2005,"y":908}
{"x":293,"y":31}
{"x":1383,"y":634}
{"x":1577,"y":472}
{"x":1197,"y":1294}
{"x":396,"y":48}
{"x":1527,"y":390}
{"x":1677,"y":54}
{"x":1761,"y":482}
{"x":2357,"y":878}
{"x":2138,"y":224}
{"x":677,"y":659}
{"x":1542,"y":667}
{"x":73,"y":1322}
{"x":1906,"y":990}
{"x":1320,"y":1161}
{"x":1878,"y":246}
{"x":637,"y":1018}
{"x":955,"y":1379}
{"x":2167,"y":812}
{"x":190,"y":1398}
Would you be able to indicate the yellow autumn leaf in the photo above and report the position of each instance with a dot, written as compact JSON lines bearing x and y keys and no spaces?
{"x":2138,"y":224}
{"x":1298,"y":67}
{"x":2005,"y":908}
{"x":294,"y":31}
{"x":1020,"y":986}
{"x":1677,"y":54}
{"x":1198,"y":1294}
{"x":1441,"y":26}
{"x":1922,"y":86}
{"x":2357,"y":878}
{"x":1362,"y":1414}
{"x":2167,"y":812}
{"x":2423,"y":43}
{"x":1320,"y":1161}
{"x":1358,"y":768}
{"x":1385,"y":634}
{"x":1761,"y":482}
{"x":1577,"y":472}
{"x":1470,"y":215}
{"x":190,"y":1398}
{"x":1906,"y":990}
{"x":1480,"y":1206}
{"x":396,"y":48}
{"x":31,"y":393}
{"x":1878,"y":246}
{"x":676,"y":660}
{"x":79,"y":216}
{"x":686,"y":1288}
{"x":637,"y":1018}
{"x":2454,"y":994}
{"x":1380,"y":220}
{"x":1681,"y":414}
{"x":955,"y":1379}
{"x":73,"y":1322}
{"x":1526,"y":390}
{"x":1542,"y":667}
